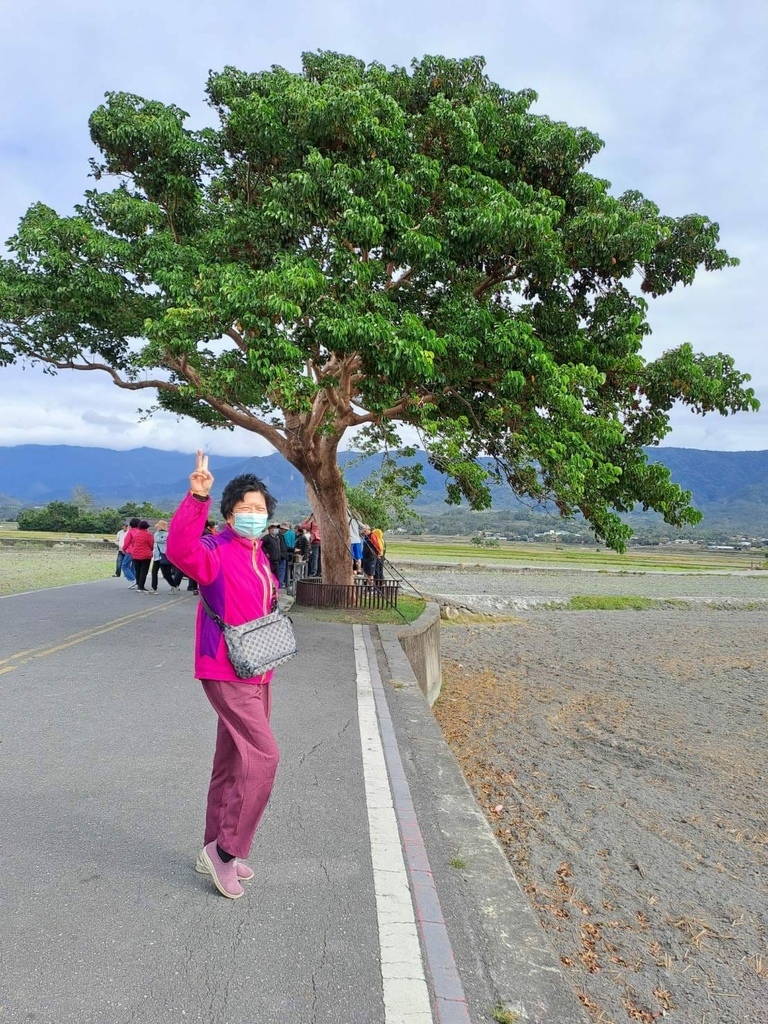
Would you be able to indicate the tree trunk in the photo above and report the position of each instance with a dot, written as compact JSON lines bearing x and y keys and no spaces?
{"x":325,"y":490}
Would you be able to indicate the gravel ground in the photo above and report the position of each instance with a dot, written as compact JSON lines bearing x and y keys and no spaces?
{"x":622,"y":761}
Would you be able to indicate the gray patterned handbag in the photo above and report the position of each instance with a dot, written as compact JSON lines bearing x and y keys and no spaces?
{"x":258,"y":645}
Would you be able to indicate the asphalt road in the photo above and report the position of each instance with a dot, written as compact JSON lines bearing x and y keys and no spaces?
{"x":106,"y":749}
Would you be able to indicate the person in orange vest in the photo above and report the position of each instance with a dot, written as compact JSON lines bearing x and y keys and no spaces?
{"x":370,"y":553}
{"x":377,"y":537}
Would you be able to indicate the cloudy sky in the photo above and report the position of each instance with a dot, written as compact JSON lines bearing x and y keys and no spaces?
{"x":677,"y":89}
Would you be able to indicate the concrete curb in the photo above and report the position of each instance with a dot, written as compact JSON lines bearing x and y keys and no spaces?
{"x":522,"y":967}
{"x":489,"y":606}
{"x":420,"y":641}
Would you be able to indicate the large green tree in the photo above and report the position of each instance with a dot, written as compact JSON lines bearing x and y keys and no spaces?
{"x":357,"y":247}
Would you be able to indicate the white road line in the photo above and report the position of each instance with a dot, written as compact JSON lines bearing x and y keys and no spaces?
{"x":406,"y":996}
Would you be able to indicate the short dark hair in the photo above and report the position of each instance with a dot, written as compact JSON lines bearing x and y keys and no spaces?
{"x":238,"y":487}
{"x":143,"y":525}
{"x":133,"y":523}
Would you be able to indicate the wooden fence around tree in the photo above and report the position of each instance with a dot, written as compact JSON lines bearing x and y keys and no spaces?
{"x":314,"y":593}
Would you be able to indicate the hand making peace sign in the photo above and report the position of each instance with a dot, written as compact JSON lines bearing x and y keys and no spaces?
{"x":201,"y":481}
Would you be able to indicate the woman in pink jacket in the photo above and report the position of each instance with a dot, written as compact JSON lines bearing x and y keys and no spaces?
{"x":234,"y":578}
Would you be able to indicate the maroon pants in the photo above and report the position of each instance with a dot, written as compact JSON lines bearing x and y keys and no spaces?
{"x":244,"y":764}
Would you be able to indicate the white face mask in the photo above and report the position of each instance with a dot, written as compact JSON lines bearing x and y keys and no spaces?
{"x":250,"y":524}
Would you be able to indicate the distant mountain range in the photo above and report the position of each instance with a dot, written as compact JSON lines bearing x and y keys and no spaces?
{"x":726,"y":486}
{"x":34,"y":474}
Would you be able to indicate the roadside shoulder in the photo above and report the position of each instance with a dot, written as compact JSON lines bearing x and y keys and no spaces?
{"x":491,"y":924}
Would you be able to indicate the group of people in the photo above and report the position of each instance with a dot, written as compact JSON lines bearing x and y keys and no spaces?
{"x":286,"y":545}
{"x":368,"y":548}
{"x":366,"y":544}
{"x":142,"y":556}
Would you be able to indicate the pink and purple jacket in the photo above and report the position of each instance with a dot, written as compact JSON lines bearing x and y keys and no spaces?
{"x":234,"y":578}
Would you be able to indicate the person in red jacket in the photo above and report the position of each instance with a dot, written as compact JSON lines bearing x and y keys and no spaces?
{"x":139,"y":544}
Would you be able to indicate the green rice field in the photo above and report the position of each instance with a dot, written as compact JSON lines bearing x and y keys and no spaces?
{"x":674,"y":557}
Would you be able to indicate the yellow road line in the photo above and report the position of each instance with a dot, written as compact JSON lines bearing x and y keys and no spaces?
{"x":78,"y":638}
{"x":84,"y":633}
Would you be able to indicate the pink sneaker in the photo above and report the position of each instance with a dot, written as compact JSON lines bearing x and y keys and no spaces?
{"x":224,"y":875}
{"x":244,"y":871}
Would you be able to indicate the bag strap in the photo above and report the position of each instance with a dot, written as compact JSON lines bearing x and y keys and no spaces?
{"x":272,"y":590}
{"x":212,"y":614}
{"x":218,"y":619}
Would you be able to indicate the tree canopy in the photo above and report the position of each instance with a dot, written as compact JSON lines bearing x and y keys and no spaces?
{"x":69,"y":517}
{"x":354,"y":247}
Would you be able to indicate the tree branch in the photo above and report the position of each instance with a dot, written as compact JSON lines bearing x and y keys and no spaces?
{"x":128,"y":385}
{"x":319,"y":409}
{"x":238,"y":339}
{"x":405,"y":277}
{"x":236,"y":414}
{"x":357,"y":420}
{"x":348,"y":367}
{"x":248,"y":421}
{"x":489,"y":282}
{"x":332,"y":368}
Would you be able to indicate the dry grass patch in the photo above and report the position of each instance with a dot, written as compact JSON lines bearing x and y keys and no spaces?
{"x":462,"y":707}
{"x":34,"y":568}
{"x":408,"y":610}
{"x":474,"y":711}
{"x":759,"y":964}
{"x":451,"y":618}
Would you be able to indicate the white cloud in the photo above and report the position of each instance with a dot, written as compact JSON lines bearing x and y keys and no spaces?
{"x":676,"y":88}
{"x":90,"y":411}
